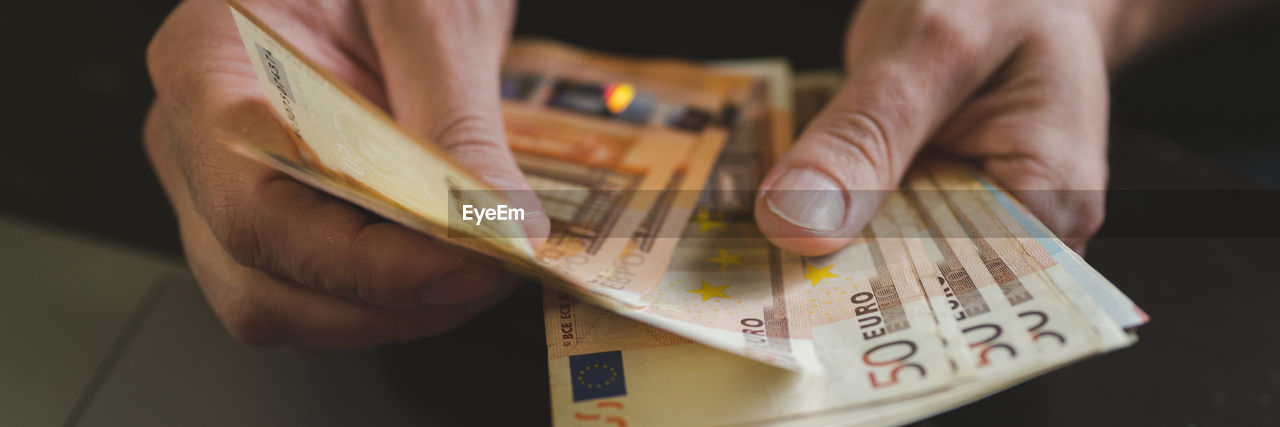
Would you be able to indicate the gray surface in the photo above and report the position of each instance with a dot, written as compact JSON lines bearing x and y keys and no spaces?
{"x":182,"y":368}
{"x":96,"y":334}
{"x":65,"y":302}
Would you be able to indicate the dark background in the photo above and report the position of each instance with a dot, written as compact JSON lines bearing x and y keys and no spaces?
{"x":1200,"y":113}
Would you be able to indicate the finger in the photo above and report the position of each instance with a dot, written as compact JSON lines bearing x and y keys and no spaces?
{"x":262,"y":309}
{"x":265,"y":220}
{"x":1066,"y":192}
{"x":268,"y":221}
{"x":1041,"y":130}
{"x":197,"y":50}
{"x":909,"y":67}
{"x":1073,"y":215}
{"x":440,"y":61}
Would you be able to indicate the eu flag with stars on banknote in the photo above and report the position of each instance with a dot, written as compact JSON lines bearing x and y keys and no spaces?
{"x":597,"y":375}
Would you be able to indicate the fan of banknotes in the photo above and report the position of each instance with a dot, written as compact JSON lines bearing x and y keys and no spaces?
{"x":663,"y":304}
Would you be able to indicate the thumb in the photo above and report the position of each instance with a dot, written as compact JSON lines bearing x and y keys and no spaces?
{"x":440,"y":62}
{"x":900,"y":87}
{"x":827,"y":187}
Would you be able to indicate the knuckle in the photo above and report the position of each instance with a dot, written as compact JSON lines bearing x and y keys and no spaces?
{"x":468,"y":133}
{"x":947,"y":30}
{"x":233,"y":208}
{"x":346,"y":277}
{"x":1071,"y":211}
{"x":1089,"y":213}
{"x":365,"y":287}
{"x":321,"y":275}
{"x":160,"y":51}
{"x":858,"y":138}
{"x":252,"y":324}
{"x":156,"y":56}
{"x":234,"y":228}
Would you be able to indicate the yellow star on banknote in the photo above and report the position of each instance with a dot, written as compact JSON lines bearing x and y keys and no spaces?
{"x":705,"y":222}
{"x":816,"y":275}
{"x":726,"y":259}
{"x":707,"y":291}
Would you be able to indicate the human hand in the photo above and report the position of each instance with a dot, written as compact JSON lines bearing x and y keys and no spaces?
{"x":280,"y":262}
{"x":1019,"y":86}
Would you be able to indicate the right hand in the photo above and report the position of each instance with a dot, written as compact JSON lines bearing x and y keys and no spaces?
{"x":1018,"y":87}
{"x":282,"y":263}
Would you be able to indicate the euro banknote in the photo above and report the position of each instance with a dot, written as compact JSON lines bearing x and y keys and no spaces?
{"x":664,"y":304}
{"x":599,"y":137}
{"x":603,"y":139}
{"x":952,"y":292}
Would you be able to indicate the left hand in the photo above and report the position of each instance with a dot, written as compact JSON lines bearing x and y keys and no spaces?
{"x":282,"y":263}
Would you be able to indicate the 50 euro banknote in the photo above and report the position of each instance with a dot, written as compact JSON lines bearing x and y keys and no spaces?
{"x":603,"y":140}
{"x":936,"y":304}
{"x":953,"y":292}
{"x":599,"y":138}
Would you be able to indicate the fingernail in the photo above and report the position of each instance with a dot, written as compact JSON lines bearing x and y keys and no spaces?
{"x":458,"y":287}
{"x":807,"y":198}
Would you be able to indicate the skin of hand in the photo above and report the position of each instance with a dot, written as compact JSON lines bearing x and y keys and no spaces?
{"x":282,"y":263}
{"x":1020,"y":87}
